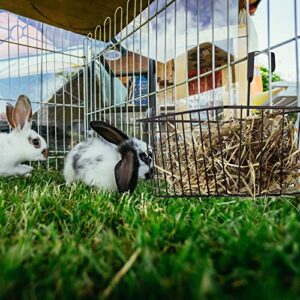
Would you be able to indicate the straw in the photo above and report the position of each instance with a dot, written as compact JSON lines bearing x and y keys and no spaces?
{"x":257,"y":156}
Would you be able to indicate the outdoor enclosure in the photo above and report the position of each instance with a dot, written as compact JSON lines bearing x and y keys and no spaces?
{"x":149,"y":59}
{"x":46,"y":64}
{"x":212,"y":86}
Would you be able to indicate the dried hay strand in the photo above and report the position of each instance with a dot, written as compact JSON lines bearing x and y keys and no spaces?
{"x":230,"y":157}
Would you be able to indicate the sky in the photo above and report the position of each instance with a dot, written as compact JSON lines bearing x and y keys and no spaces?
{"x":282,"y":27}
{"x":188,"y":25}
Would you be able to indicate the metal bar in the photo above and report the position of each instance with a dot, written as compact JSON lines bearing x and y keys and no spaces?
{"x":198,"y":57}
{"x":186,"y":54}
{"x":136,"y":28}
{"x":55,"y":107}
{"x":281,"y":151}
{"x":170,"y":153}
{"x":228,"y":55}
{"x":203,"y":156}
{"x":261,"y":152}
{"x":221,"y":151}
{"x":140,"y":74}
{"x":154,"y":144}
{"x":240,"y":148}
{"x":211,"y":152}
{"x":213,"y":54}
{"x":269,"y":50}
{"x":186,"y":157}
{"x":179,"y":160}
{"x":296,"y":49}
{"x":297,"y":67}
{"x":292,"y":194}
{"x":38,"y":48}
{"x":162,"y":155}
{"x":133,"y":65}
{"x":195,"y":156}
{"x":244,"y":107}
{"x":165,"y":56}
{"x":63,"y":96}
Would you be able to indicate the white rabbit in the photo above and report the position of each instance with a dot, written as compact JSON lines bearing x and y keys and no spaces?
{"x":21,"y":144}
{"x":112,"y":162}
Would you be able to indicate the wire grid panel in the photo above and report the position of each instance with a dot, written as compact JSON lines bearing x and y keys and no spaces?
{"x":211,"y":152}
{"x":160,"y":62}
{"x":175,"y":55}
{"x":178,"y":55}
{"x":46,"y":64}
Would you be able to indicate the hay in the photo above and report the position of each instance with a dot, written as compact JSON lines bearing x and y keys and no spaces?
{"x":211,"y":158}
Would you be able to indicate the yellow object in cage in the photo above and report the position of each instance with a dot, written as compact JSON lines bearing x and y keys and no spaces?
{"x":263,"y":98}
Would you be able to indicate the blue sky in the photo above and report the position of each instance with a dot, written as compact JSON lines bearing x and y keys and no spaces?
{"x":282,"y":27}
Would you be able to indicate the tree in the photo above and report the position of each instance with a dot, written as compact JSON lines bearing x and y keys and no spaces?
{"x":265,"y":78}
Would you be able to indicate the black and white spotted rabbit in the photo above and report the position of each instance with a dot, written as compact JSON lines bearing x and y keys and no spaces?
{"x":113,"y":161}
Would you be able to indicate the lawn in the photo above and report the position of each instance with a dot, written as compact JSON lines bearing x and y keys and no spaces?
{"x":59,"y":242}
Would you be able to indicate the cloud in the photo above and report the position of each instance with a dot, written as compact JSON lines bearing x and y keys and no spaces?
{"x":182,"y":28}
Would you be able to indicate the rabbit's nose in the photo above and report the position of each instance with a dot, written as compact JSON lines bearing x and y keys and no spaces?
{"x":45,"y":153}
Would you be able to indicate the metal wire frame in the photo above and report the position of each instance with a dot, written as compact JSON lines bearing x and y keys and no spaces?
{"x":158,"y":28}
{"x":150,"y":29}
{"x":96,"y":106}
{"x":176,"y":162}
{"x":50,"y":75}
{"x":142,"y":37}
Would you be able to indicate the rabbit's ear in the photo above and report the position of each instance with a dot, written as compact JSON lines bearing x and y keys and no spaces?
{"x":22,"y":112}
{"x":126,"y":170}
{"x":109,"y":132}
{"x":9,"y":115}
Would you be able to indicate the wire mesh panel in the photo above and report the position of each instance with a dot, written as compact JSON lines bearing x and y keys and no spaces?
{"x":185,"y":65}
{"x":179,"y":55}
{"x":174,"y":56}
{"x":230,"y":150}
{"x":46,"y":64}
{"x":162,"y":61}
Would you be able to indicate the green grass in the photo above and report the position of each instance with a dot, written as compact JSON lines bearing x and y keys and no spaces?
{"x":59,"y":242}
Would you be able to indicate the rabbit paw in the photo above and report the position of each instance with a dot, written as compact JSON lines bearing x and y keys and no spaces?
{"x":23,"y":170}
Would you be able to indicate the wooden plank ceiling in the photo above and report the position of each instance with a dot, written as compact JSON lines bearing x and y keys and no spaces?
{"x":80,"y":16}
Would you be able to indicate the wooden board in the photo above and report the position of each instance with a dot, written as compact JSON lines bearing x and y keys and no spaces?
{"x":78,"y":16}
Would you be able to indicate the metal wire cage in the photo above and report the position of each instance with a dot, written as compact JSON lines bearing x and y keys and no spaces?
{"x":172,"y":55}
{"x":226,"y":150}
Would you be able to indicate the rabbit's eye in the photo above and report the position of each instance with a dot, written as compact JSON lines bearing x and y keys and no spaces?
{"x":145,"y":158}
{"x":35,"y":142}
